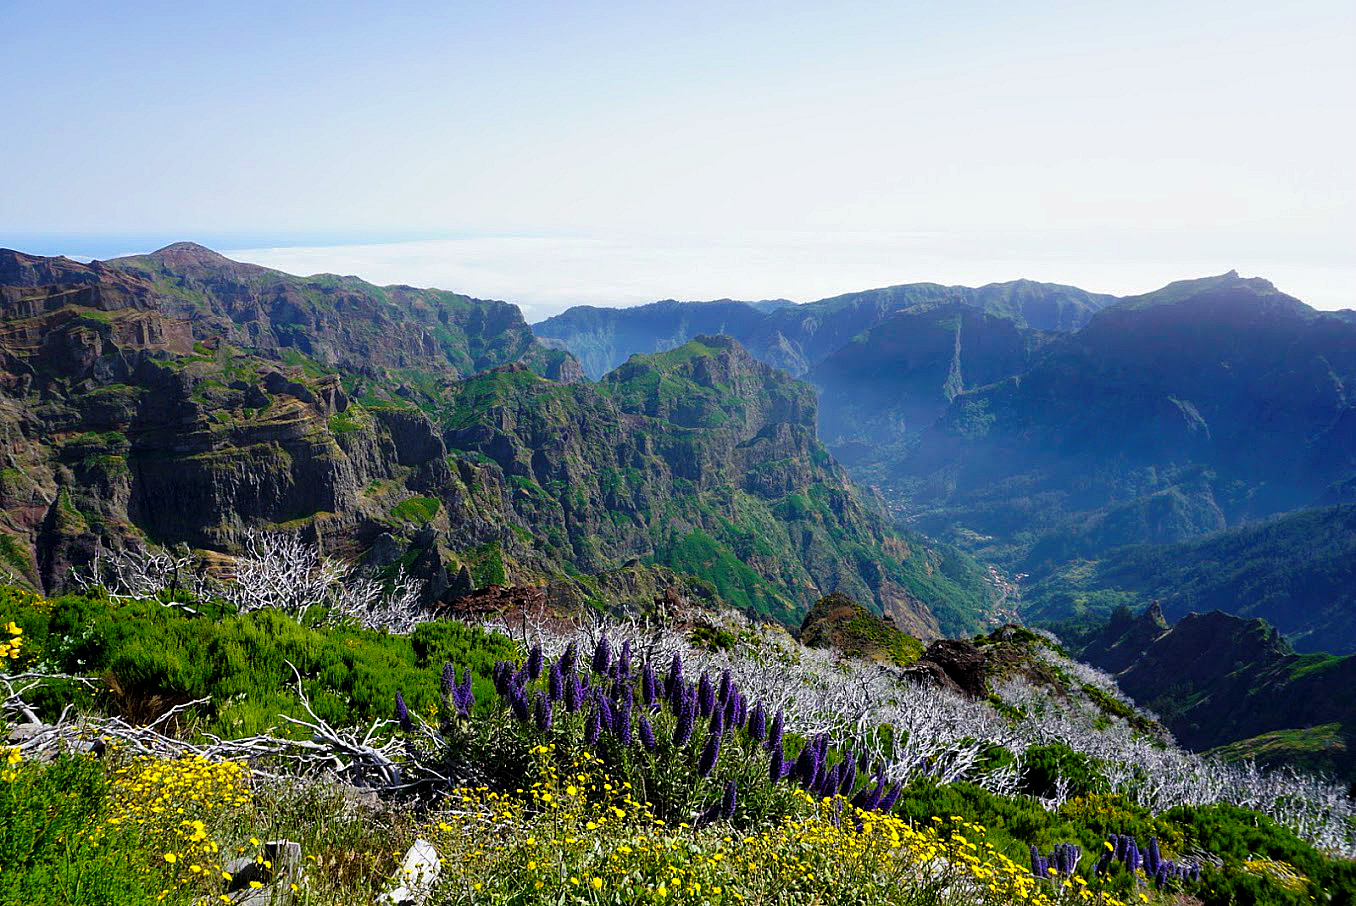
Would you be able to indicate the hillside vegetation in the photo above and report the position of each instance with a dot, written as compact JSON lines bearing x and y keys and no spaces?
{"x":1297,"y":572}
{"x":621,"y":764}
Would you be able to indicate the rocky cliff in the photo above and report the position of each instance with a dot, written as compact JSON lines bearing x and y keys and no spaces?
{"x":1217,"y":681}
{"x":181,"y":398}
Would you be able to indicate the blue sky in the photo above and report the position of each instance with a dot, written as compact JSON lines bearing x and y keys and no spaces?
{"x":619,"y":152}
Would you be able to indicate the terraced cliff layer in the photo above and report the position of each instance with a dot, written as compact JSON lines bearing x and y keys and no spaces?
{"x":180,"y":398}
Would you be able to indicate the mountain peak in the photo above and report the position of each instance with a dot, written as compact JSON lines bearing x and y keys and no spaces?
{"x":189,"y":253}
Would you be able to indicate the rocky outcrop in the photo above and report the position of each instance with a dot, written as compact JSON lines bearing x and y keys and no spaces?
{"x":1217,"y":680}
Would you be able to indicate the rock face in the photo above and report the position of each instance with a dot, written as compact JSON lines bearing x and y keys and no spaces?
{"x":180,"y":397}
{"x":952,"y":664}
{"x":1217,"y":680}
{"x":836,"y":621}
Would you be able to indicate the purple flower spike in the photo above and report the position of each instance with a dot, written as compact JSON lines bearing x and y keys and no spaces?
{"x":621,"y":720}
{"x":594,"y":728}
{"x":758,"y":723}
{"x":707,"y":763}
{"x":542,"y":712}
{"x":465,"y":697}
{"x":569,"y":658}
{"x":774,"y":735}
{"x":555,"y":683}
{"x":647,"y":686}
{"x":402,"y":714}
{"x":624,"y":660}
{"x":706,"y":695}
{"x":449,"y":677}
{"x":535,"y":661}
{"x":730,"y":801}
{"x":682,"y":728}
{"x":647,"y":734}
{"x":602,"y":656}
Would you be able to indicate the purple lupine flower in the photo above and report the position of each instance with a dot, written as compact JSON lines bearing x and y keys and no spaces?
{"x":502,"y":675}
{"x":518,"y":701}
{"x":776,"y":763}
{"x":742,"y":709}
{"x":647,"y":734}
{"x":674,"y":680}
{"x":593,"y":728}
{"x":1161,"y":875}
{"x":449,"y":677}
{"x":803,"y":771}
{"x":602,"y":655}
{"x":605,"y":712}
{"x":535,"y":661}
{"x":1122,"y":846}
{"x":706,"y":695}
{"x":555,"y":683}
{"x":1195,"y":874}
{"x":621,"y":719}
{"x":888,"y":801}
{"x":848,"y":778}
{"x":541,"y":708}
{"x":1104,"y":863}
{"x":624,"y":659}
{"x":758,"y":723}
{"x":1040,"y":865}
{"x":569,"y":659}
{"x":774,"y":735}
{"x":1152,"y":857}
{"x":1132,"y":857}
{"x":647,"y":685}
{"x":829,"y":785}
{"x":726,"y":684}
{"x":465,"y":696}
{"x":730,"y":801}
{"x":682,"y":728}
{"x":716,"y":726}
{"x":707,"y":763}
{"x":574,"y":692}
{"x":727,"y":713}
{"x":402,"y":714}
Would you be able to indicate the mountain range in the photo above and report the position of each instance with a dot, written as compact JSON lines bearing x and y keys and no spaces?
{"x":1040,"y":427}
{"x":180,"y":398}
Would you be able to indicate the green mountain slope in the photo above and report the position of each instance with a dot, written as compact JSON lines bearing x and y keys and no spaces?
{"x":183,"y":398}
{"x":1224,"y":682}
{"x":1297,"y":572}
{"x":1169,"y":416}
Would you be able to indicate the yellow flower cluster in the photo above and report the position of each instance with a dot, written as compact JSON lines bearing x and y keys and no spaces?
{"x":166,"y":802}
{"x":10,"y":646}
{"x":12,"y":758}
{"x":580,"y":837}
{"x":1283,"y":873}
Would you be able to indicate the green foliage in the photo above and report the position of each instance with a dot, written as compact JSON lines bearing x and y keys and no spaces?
{"x":155,"y":657}
{"x":1043,"y":766}
{"x":416,"y":509}
{"x":46,"y":858}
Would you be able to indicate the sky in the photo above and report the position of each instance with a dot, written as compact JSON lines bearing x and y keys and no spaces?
{"x":558,"y":153}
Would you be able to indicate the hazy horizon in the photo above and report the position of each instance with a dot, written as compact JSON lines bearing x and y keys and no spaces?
{"x":546,"y":275}
{"x":617,"y":153}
